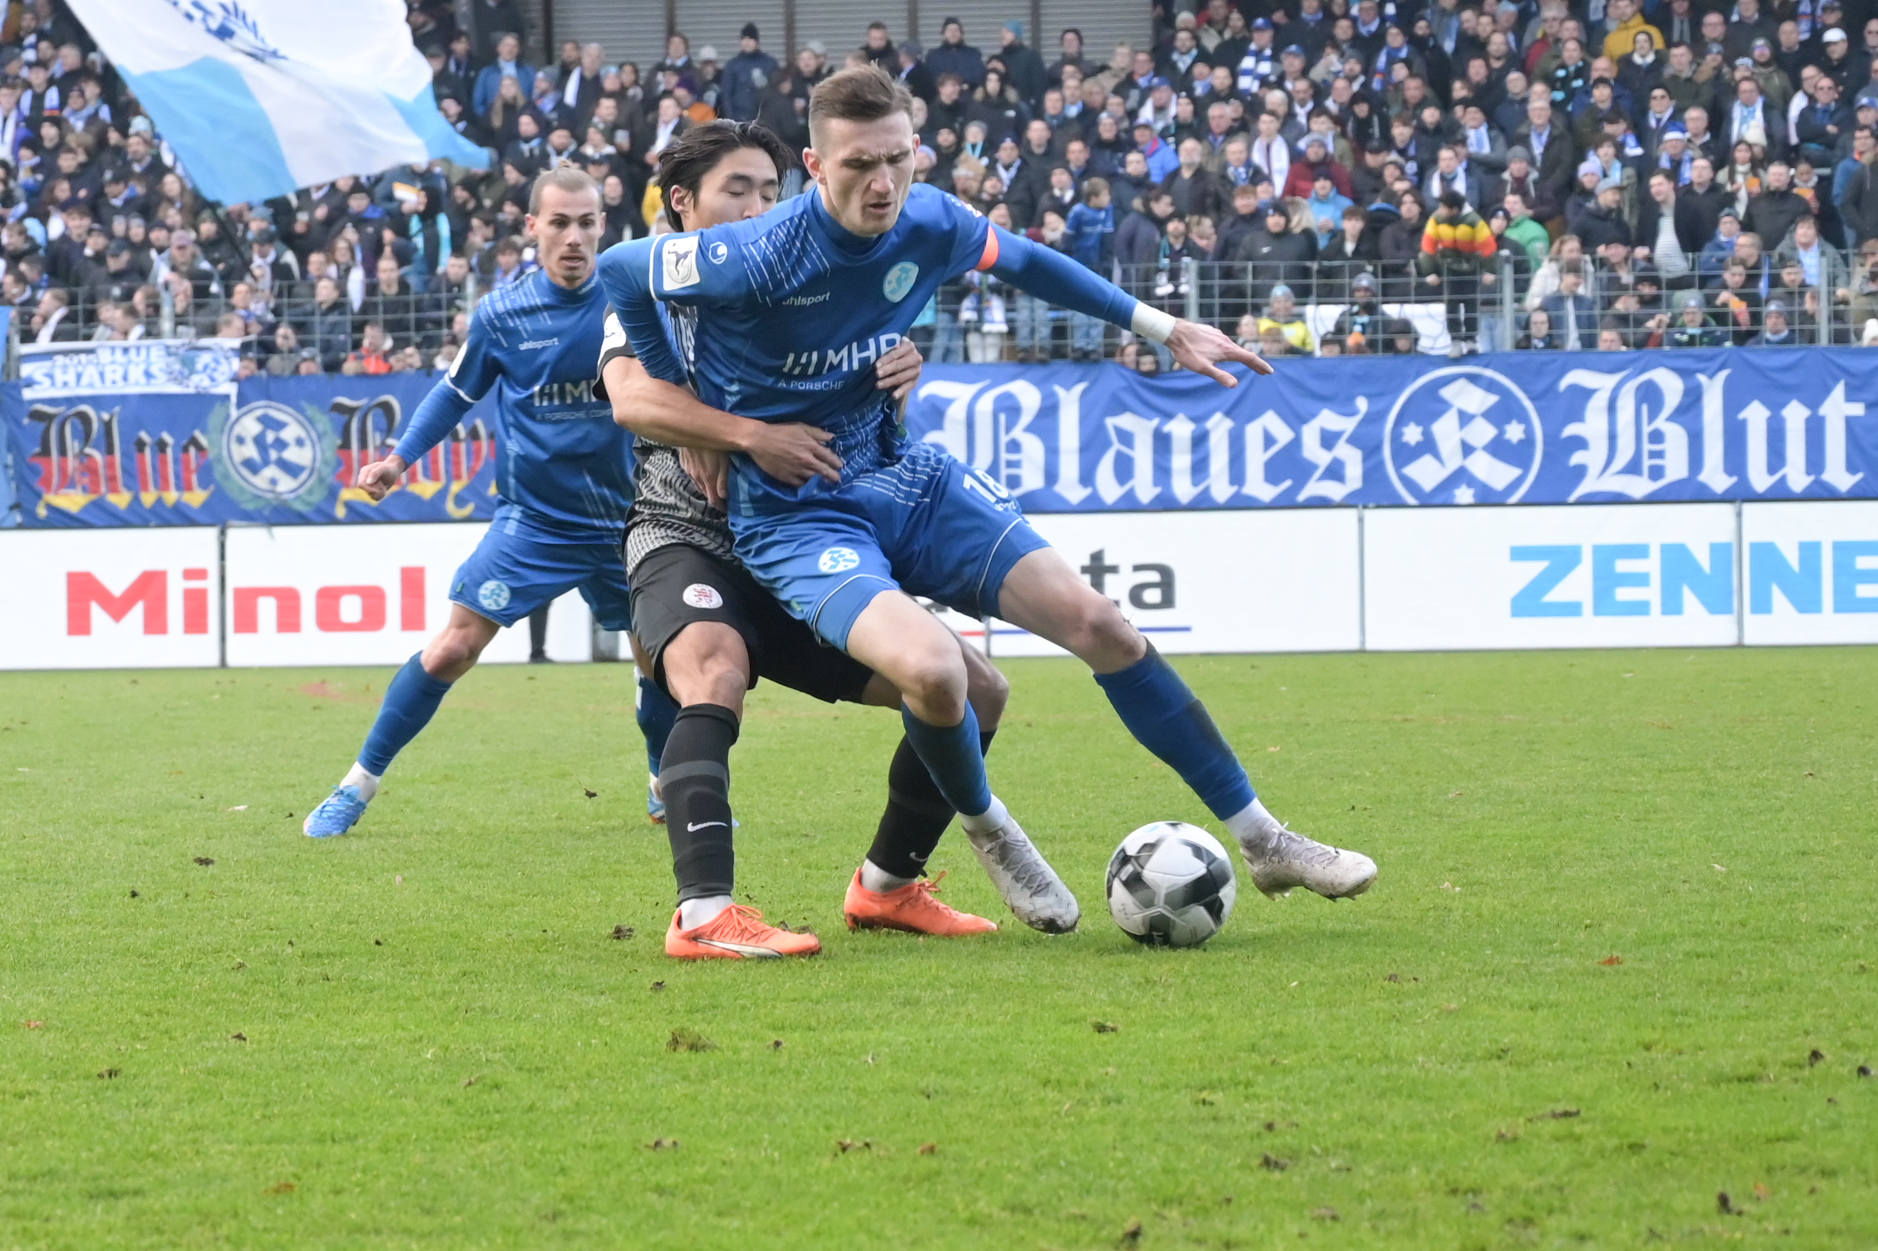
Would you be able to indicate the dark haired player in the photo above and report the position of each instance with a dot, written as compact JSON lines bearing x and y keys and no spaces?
{"x":565,"y":478}
{"x":792,"y":310}
{"x":710,"y":631}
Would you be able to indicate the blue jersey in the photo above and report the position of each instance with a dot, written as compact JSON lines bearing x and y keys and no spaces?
{"x":562,"y":458}
{"x":793,"y":310}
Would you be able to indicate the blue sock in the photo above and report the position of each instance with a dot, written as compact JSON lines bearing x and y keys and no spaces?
{"x":657,"y":714}
{"x":1165,"y":717}
{"x":410,"y":702}
{"x":951,"y":753}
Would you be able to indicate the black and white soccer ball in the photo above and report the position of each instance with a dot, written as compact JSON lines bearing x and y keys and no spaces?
{"x":1171,"y":884}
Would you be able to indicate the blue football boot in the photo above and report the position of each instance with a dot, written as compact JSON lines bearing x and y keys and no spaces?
{"x":337,"y":813}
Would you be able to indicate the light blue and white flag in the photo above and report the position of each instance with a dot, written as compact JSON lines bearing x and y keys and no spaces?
{"x":259,"y":97}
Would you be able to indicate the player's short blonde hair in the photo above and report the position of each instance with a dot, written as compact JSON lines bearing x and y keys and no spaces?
{"x":568,"y":177}
{"x":861,"y":93}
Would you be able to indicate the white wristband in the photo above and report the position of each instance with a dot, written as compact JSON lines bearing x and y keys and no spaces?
{"x":1151,"y":323}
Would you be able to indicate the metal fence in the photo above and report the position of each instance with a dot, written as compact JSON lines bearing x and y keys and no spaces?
{"x":1390,"y":305}
{"x":1382,"y":305}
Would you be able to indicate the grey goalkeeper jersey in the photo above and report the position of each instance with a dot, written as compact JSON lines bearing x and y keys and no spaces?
{"x":668,"y":507}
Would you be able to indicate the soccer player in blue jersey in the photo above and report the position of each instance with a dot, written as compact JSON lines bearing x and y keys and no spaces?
{"x":564,"y":475}
{"x":709,"y":632}
{"x":793,"y":309}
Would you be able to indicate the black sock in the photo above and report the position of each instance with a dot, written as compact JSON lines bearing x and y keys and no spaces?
{"x":694,"y":778}
{"x":916,"y":816}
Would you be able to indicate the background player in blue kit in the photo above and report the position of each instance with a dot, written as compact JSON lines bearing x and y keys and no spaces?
{"x":564,"y":475}
{"x":793,"y":309}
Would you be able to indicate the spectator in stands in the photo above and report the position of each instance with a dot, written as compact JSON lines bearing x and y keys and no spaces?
{"x":1276,"y":255}
{"x":285,"y":358}
{"x":1737,"y":302}
{"x":331,"y":326}
{"x":1091,"y":229}
{"x":372,"y":356}
{"x":1281,"y":316}
{"x":1538,"y":336}
{"x":955,"y":56}
{"x":1573,"y":311}
{"x":508,"y":64}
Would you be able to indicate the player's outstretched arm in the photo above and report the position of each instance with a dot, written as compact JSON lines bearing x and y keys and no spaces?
{"x":1062,"y":280}
{"x":1201,"y":348}
{"x":666,"y":413}
{"x":436,"y":416}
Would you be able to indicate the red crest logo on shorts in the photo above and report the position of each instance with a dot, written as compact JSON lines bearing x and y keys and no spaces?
{"x":698,"y":595}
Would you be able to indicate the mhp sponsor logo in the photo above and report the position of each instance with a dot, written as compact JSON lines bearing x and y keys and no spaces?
{"x":1463,"y":435}
{"x":1641,"y":579}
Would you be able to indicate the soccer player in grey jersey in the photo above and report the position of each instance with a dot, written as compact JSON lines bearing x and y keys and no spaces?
{"x":709,"y":631}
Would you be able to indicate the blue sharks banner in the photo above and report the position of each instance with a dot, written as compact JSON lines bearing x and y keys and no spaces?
{"x":155,"y":433}
{"x":1512,"y":428}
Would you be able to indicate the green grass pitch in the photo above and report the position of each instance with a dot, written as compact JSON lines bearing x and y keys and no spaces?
{"x":1622,"y":958}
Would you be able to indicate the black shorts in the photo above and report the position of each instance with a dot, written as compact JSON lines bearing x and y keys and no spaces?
{"x":676,"y":585}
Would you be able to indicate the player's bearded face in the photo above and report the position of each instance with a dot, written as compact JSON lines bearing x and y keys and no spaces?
{"x":864,"y":170}
{"x":567,"y":233}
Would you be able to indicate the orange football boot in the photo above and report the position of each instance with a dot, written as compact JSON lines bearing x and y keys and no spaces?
{"x":912,"y":908}
{"x":737,"y":933}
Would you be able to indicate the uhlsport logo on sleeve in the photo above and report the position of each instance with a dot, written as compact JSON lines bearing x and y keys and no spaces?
{"x":680,"y":255}
{"x":1463,"y":435}
{"x":899,"y":281}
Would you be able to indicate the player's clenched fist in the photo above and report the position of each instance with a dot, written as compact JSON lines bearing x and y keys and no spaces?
{"x":377,"y":478}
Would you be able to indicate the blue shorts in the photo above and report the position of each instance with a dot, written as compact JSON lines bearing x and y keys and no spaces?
{"x":522,"y":564}
{"x":923,"y":523}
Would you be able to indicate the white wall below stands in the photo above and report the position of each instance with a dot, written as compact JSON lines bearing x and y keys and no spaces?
{"x":1384,"y":579}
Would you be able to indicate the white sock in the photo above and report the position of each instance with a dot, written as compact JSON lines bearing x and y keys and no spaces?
{"x":366,"y":782}
{"x":878,"y":880}
{"x":695,"y":912}
{"x":988,"y":821}
{"x":1255,"y":828}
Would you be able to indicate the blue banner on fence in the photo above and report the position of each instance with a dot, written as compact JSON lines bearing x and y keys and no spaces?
{"x":1532,"y":428}
{"x":154,"y":433}
{"x":159,"y":433}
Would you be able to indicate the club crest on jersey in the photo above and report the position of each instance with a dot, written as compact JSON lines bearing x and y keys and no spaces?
{"x":718,"y":253}
{"x":681,"y":262}
{"x":698,"y":595}
{"x":493,"y":595}
{"x":899,"y":281}
{"x":839,"y":560}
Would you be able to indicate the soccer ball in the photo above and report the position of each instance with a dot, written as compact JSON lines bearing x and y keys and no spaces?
{"x":1171,"y":884}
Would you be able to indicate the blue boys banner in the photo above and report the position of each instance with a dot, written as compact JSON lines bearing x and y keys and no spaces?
{"x":1530,"y":427}
{"x":156,"y":433}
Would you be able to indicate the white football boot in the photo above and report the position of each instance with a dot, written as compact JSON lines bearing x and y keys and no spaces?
{"x":1282,"y":860}
{"x":1035,"y":894}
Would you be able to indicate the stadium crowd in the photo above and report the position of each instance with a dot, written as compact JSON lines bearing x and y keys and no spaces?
{"x":1316,"y":176}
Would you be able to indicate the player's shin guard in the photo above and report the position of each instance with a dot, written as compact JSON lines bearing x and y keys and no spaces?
{"x":1165,"y":717}
{"x":695,"y":781}
{"x":410,"y":702}
{"x":954,"y":758}
{"x":916,"y":816}
{"x":657,"y":714}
